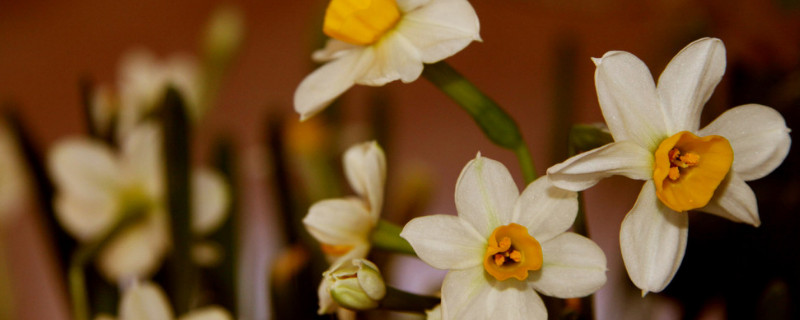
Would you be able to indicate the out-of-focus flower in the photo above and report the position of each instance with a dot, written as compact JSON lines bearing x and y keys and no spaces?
{"x":503,"y":247}
{"x":657,"y":139}
{"x":143,"y":81}
{"x":13,"y":179}
{"x":379,"y":41}
{"x":343,"y":226}
{"x":96,"y":188}
{"x":355,"y":284}
{"x":146,"y":301}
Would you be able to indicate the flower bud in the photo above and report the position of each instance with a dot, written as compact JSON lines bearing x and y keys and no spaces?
{"x":356,"y":285}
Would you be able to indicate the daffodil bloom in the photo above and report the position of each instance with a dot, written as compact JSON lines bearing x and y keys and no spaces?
{"x":143,"y":80}
{"x":146,"y":301}
{"x":343,"y":226}
{"x":374,"y":42}
{"x":96,"y":187}
{"x":657,"y":138}
{"x":504,"y":246}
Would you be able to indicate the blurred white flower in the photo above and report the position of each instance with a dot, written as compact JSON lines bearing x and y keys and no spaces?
{"x":96,"y":188}
{"x":343,"y":226}
{"x":146,"y":301}
{"x":657,"y":138}
{"x":503,"y":247}
{"x":376,"y":42}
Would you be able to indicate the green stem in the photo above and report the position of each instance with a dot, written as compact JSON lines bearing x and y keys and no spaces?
{"x":386,"y":236}
{"x":82,"y":257}
{"x":496,"y":124}
{"x":398,"y":300}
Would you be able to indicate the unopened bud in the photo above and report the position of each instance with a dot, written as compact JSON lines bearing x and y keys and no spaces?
{"x":356,"y":285}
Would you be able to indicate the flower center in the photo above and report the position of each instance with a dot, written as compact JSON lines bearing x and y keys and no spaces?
{"x":689,"y":169}
{"x":360,"y":22}
{"x":334,"y":250}
{"x":512,"y":252}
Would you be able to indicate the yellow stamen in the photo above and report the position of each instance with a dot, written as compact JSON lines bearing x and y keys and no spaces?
{"x":516,"y":253}
{"x":360,"y":22}
{"x":335,"y":250}
{"x":695,"y":167}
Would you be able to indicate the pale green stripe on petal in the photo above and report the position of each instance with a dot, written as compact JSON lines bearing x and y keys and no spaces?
{"x":485,"y":195}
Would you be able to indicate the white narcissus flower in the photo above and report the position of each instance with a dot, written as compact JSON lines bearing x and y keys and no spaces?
{"x":657,"y":138}
{"x":375,"y":42}
{"x":146,"y":301}
{"x":503,"y":247}
{"x":95,"y":188}
{"x":143,"y":81}
{"x":343,"y":226}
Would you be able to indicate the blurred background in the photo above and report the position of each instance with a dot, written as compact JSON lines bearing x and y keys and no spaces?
{"x":534,"y":61}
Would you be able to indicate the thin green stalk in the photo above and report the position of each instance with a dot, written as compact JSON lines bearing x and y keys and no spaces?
{"x":386,"y":236}
{"x":398,"y":300}
{"x":84,"y":255}
{"x":496,"y":124}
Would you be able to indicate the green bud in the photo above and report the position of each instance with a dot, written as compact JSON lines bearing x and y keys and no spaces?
{"x":356,"y":285}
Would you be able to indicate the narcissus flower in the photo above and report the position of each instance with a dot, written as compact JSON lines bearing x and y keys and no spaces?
{"x":343,"y":226}
{"x":96,"y":187}
{"x":375,"y":42}
{"x":146,"y":301}
{"x":503,"y":247}
{"x":657,"y":138}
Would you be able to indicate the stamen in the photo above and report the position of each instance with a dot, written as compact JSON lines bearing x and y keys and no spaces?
{"x":499,"y":259}
{"x":504,"y":244}
{"x":515,"y":255}
{"x":674,"y":173}
{"x":690,"y":158}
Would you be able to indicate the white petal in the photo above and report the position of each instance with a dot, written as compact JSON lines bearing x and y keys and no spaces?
{"x":144,"y":301}
{"x":440,"y":29}
{"x":136,"y":251}
{"x":210,"y":200}
{"x":365,"y":168}
{"x":85,"y":218}
{"x":513,"y":299}
{"x":652,"y":241}
{"x":587,"y":169}
{"x":409,"y":5}
{"x":628,"y":99}
{"x":142,"y":158}
{"x":84,"y":167}
{"x":464,"y":294}
{"x":339,"y":222}
{"x":207,"y":313}
{"x":445,"y":242}
{"x":326,"y":303}
{"x":395,"y":58}
{"x":735,"y":201}
{"x":334,"y":49}
{"x":759,"y":138}
{"x":573,"y":266}
{"x":326,"y":83}
{"x":689,"y":80}
{"x":485,"y":195}
{"x":545,"y":209}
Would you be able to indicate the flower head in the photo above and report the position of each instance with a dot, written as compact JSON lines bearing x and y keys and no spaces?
{"x":146,"y":301}
{"x":503,"y":247}
{"x":375,"y":42}
{"x":343,"y":226}
{"x":96,"y":187}
{"x":657,"y":138}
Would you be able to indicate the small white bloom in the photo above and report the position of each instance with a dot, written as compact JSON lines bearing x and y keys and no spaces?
{"x":656,"y":129}
{"x":503,"y":247}
{"x":376,"y":42}
{"x":96,"y":187}
{"x":143,"y":81}
{"x":343,"y":226}
{"x":146,"y":301}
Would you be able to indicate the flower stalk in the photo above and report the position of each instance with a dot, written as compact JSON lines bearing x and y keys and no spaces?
{"x":495,"y":123}
{"x":386,"y":236}
{"x":399,"y":300}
